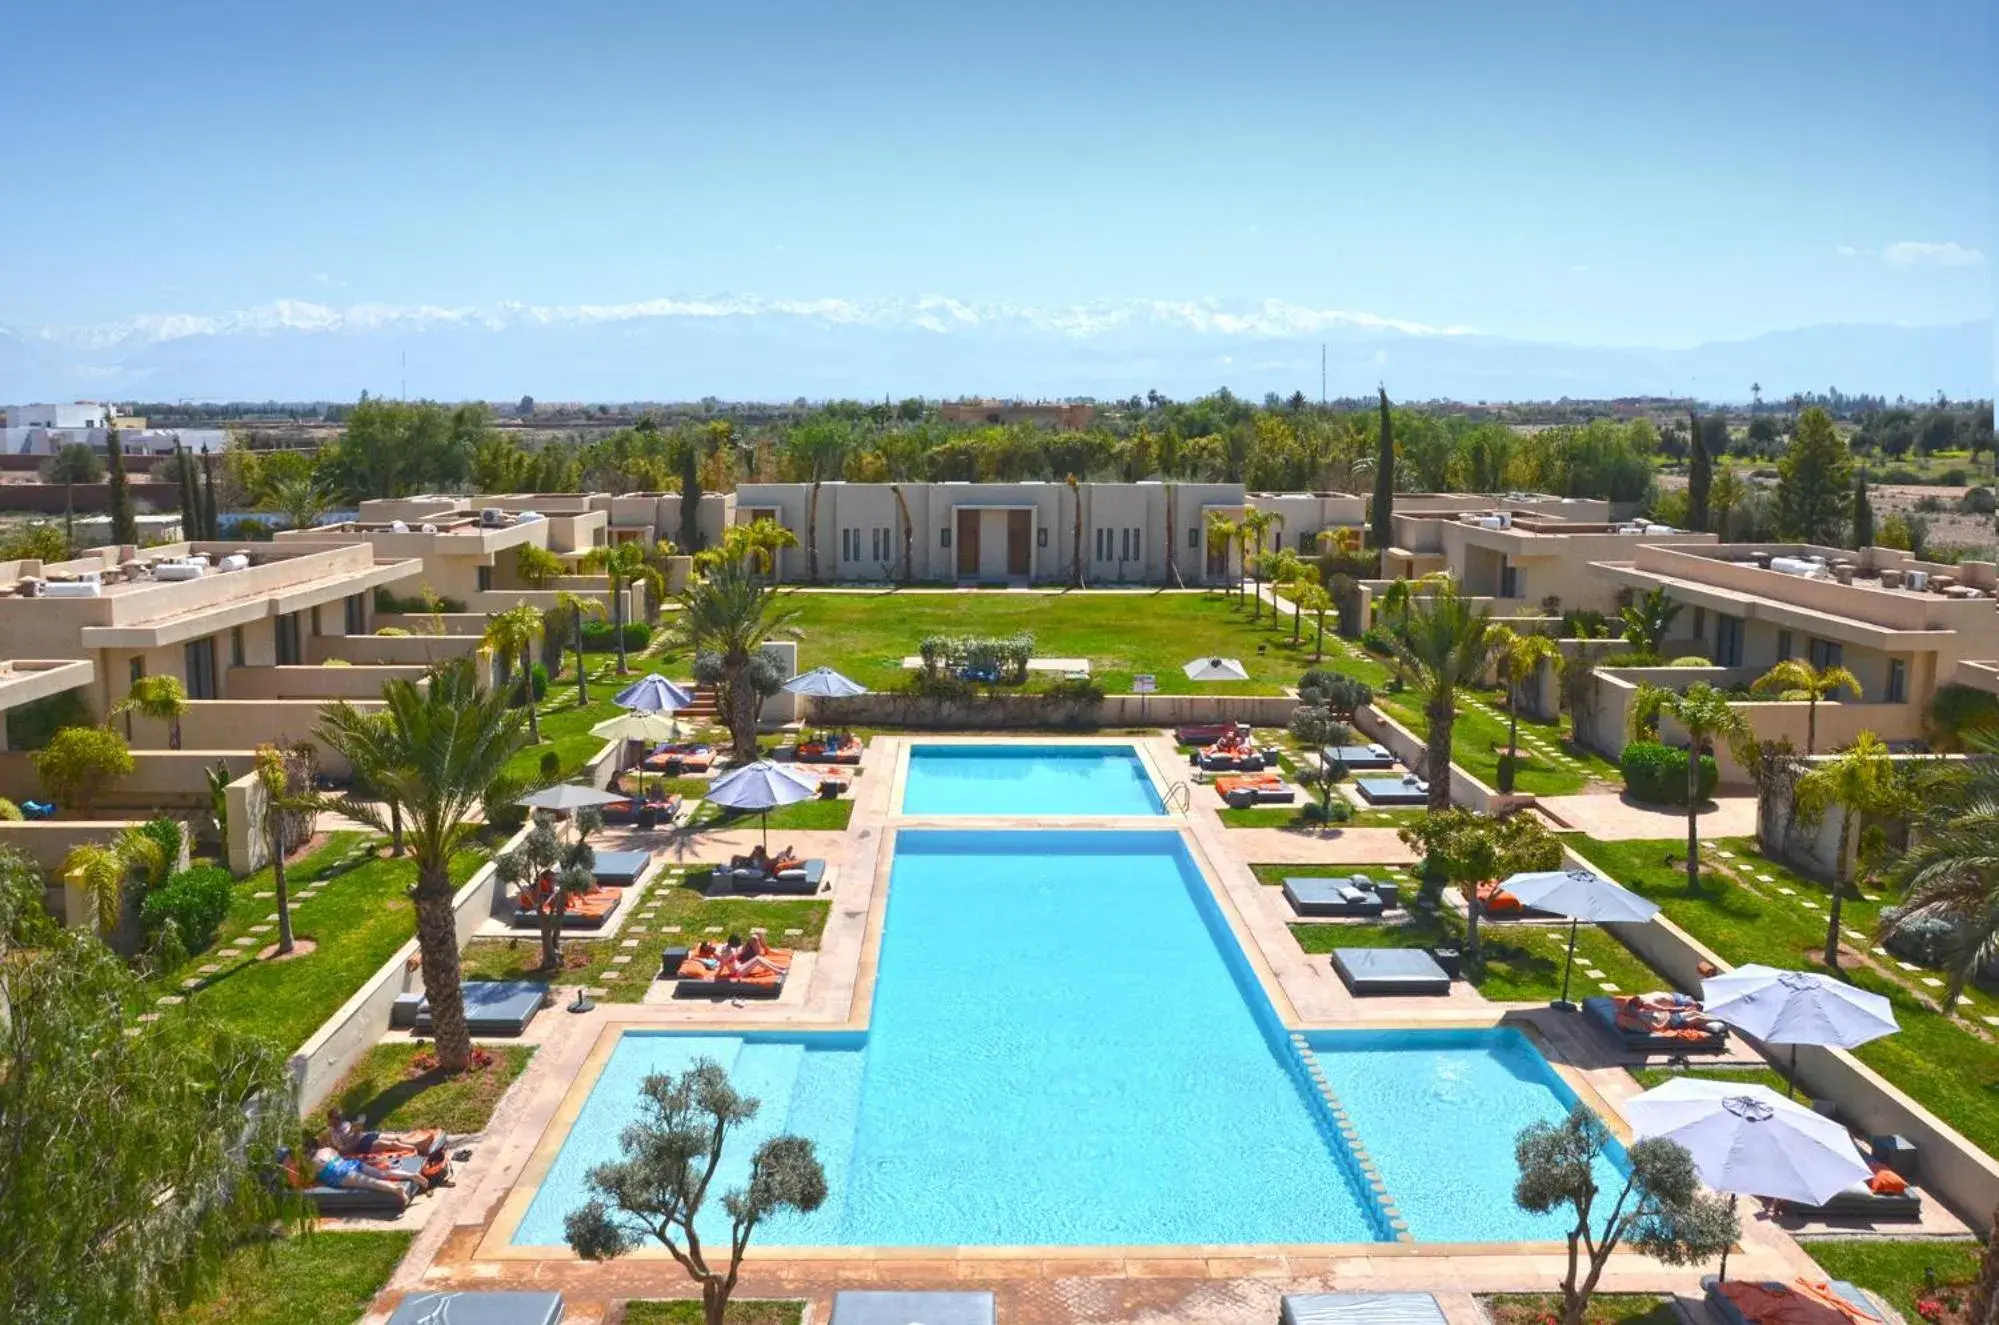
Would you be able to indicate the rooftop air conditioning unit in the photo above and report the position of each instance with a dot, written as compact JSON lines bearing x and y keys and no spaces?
{"x":178,"y":570}
{"x":492,"y":517}
{"x":429,"y":528}
{"x":234,"y":561}
{"x":1492,"y":522}
{"x":1505,"y":519}
{"x":398,"y":527}
{"x":1919,"y":580}
{"x":529,"y":517}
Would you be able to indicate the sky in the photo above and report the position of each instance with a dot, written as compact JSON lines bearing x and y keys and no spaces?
{"x":1590,"y":173}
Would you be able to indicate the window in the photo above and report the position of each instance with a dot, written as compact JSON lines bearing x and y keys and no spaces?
{"x":357,"y":606}
{"x":1824,"y":653}
{"x":287,"y":637}
{"x":485,"y":579}
{"x":315,"y":622}
{"x":1041,"y":536}
{"x":1103,"y":545}
{"x":198,"y":657}
{"x":1509,"y":582}
{"x":137,"y":670}
{"x":236,"y":646}
{"x":944,"y":536}
{"x":1727,"y":641}
{"x":1783,"y":645}
{"x":1194,"y":540}
{"x":1700,"y":627}
{"x":1306,"y":542}
{"x":850,"y":545}
{"x":1898,"y":681}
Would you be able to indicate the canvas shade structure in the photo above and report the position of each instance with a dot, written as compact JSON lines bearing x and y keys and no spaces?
{"x":1216,"y":669}
{"x":1580,"y":895}
{"x":653,"y":694}
{"x":1797,"y":1007}
{"x":824,"y":683}
{"x":1748,"y":1140}
{"x":763,"y":787}
{"x":566,"y":798}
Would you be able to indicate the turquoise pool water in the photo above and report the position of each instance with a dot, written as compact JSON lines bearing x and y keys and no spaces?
{"x":1438,"y":1111}
{"x":1028,"y":780}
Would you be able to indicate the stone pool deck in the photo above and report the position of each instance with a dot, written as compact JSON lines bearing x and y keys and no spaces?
{"x":463,"y":1240}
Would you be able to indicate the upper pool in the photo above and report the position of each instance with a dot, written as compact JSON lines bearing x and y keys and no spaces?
{"x":1028,"y":780}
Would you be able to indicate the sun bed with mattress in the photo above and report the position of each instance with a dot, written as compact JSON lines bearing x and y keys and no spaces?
{"x":803,"y":879}
{"x":1355,"y":896}
{"x":620,"y":869}
{"x":494,"y":1007}
{"x":679,"y":759}
{"x":1360,"y":1309}
{"x":645,"y":813}
{"x":1602,"y":1010}
{"x":362,"y":1200}
{"x":1358,"y":756}
{"x":1390,"y":971}
{"x":853,"y":1307}
{"x":1405,"y":790}
{"x":584,"y":910}
{"x":1747,"y":1302}
{"x":1862,"y":1202}
{"x":819,"y":752}
{"x":479,"y":1307}
{"x":696,"y":982}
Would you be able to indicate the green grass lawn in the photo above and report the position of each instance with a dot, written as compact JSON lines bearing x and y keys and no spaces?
{"x":565,"y":725}
{"x":1478,"y":739}
{"x":1522,"y":963}
{"x":805,"y":816}
{"x":1604,"y":1309}
{"x":309,"y":1279}
{"x":866,"y":636}
{"x":1895,"y":1269}
{"x":1288,"y":816}
{"x":385,"y":1088}
{"x":1940,"y":1061}
{"x":362,"y":916}
{"x":689,"y":1313}
{"x":680,"y":905}
{"x":1649,"y":1077}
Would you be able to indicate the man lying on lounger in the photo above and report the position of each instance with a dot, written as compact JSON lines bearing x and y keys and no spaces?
{"x":330,"y":1168}
{"x":350,"y":1137}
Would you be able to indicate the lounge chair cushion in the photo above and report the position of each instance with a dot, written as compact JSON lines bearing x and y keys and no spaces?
{"x":1390,"y":971}
{"x":479,"y":1308}
{"x":1361,"y":1309}
{"x":361,"y":1200}
{"x":495,"y":1007}
{"x":620,"y":868}
{"x":1727,"y":1303}
{"x":862,"y":1308}
{"x":1602,"y":1010}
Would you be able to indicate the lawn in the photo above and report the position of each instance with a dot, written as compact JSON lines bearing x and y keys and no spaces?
{"x":362,"y":915}
{"x":1649,"y":1077}
{"x":689,"y":1313}
{"x":309,"y":1279}
{"x":387,"y":1090}
{"x":1940,"y":1061}
{"x":665,"y":905}
{"x":805,"y":816}
{"x":565,"y":725}
{"x":866,"y":636}
{"x":1895,"y":1269}
{"x":1604,"y":1309}
{"x":1288,"y":816}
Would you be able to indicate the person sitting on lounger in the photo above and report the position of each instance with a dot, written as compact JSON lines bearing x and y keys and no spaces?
{"x":786,"y":859}
{"x":752,"y":957}
{"x":330,"y":1168}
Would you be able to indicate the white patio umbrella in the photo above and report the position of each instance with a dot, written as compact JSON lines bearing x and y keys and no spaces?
{"x":653,"y":694}
{"x":1797,"y":1007}
{"x":566,"y":797}
{"x":1748,"y":1140}
{"x":1580,"y":895}
{"x":1216,"y":669}
{"x":637,"y":725}
{"x":763,"y":787}
{"x":824,"y":683}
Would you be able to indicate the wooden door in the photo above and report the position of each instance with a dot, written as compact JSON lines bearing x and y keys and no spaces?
{"x":968,"y":545}
{"x":1019,"y":543}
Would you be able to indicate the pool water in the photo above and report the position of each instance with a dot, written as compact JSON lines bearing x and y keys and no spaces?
{"x":1028,"y":780}
{"x":1067,"y":1047}
{"x":1438,"y":1111}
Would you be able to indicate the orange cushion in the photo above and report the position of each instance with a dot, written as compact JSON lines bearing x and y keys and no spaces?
{"x":1885,"y":1181}
{"x":1497,"y":898}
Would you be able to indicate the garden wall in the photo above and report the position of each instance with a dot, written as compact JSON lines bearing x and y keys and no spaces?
{"x":888,"y":709}
{"x":317,"y":682}
{"x":1407,"y":746}
{"x":244,"y":724}
{"x":405,"y":650}
{"x":170,"y":780}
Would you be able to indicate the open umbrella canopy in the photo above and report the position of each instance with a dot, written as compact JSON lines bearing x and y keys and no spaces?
{"x":565,"y":797}
{"x":760,"y":786}
{"x":1797,"y":1007}
{"x":824,"y":683}
{"x":1216,"y":669}
{"x":638,"y":725}
{"x":1749,"y":1140}
{"x":1579,"y":894}
{"x":653,"y":694}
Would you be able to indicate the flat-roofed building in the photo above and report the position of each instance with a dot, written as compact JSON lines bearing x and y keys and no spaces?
{"x":1306,"y":515}
{"x":1521,"y":558}
{"x":1071,"y":417}
{"x":652,"y":517}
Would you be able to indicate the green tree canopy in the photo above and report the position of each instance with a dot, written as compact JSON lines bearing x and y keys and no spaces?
{"x":1814,"y":482}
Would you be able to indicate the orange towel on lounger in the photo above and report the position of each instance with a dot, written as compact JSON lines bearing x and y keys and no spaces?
{"x":1496,"y":900}
{"x":1800,"y":1303}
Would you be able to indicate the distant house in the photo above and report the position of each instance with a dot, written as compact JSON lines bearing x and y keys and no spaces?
{"x":1011,"y":411}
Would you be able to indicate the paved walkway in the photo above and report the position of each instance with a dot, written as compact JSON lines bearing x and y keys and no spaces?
{"x":1613,"y":818}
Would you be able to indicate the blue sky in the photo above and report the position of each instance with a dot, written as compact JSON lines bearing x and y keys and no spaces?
{"x":1597,"y":173}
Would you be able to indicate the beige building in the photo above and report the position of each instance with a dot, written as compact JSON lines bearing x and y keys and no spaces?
{"x":1001,"y":533}
{"x":1071,"y":417}
{"x":1521,"y":559}
{"x":1306,"y":515}
{"x":649,"y":517}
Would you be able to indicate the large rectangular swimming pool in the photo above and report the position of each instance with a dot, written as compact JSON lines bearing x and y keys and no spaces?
{"x":1017,"y":779}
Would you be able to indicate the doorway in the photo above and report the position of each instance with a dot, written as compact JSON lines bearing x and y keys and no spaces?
{"x":968,"y":545}
{"x":1019,"y":543}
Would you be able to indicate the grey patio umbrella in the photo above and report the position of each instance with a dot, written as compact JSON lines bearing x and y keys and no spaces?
{"x":1216,"y":669}
{"x":566,"y":798}
{"x":824,"y":683}
{"x":653,"y":694}
{"x":1580,"y":895}
{"x":1797,"y":1007}
{"x":763,"y":787}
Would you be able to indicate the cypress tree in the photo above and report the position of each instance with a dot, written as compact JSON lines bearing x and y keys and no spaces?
{"x":1378,"y":532}
{"x":124,"y":527}
{"x":210,"y":531}
{"x":1863,"y":513}
{"x":1700,"y":475}
{"x":690,"y":495}
{"x":190,"y":500}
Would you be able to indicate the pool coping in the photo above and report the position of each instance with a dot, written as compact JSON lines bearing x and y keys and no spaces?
{"x":495,"y":1243}
{"x":1139,"y":747}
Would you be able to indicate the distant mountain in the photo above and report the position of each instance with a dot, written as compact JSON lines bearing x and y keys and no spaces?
{"x":749,"y":349}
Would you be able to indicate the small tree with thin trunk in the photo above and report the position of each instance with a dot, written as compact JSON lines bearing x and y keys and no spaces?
{"x":1861,"y":781}
{"x":569,"y":865}
{"x":275,"y":778}
{"x":658,"y":1190}
{"x":1708,"y":717}
{"x":1316,"y":727}
{"x":160,"y":697}
{"x":1661,"y":1211}
{"x":124,"y":523}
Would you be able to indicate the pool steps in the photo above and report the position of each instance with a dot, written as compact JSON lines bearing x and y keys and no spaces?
{"x":1388,"y":1216}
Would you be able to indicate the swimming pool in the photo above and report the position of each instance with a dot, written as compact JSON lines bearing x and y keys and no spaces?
{"x":1437,"y":1112}
{"x":1017,"y":779}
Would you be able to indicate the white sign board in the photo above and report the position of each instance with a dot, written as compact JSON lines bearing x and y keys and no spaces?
{"x":1144,"y":683}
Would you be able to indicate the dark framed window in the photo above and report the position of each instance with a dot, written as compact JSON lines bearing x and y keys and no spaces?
{"x":357,"y":606}
{"x":198,"y":658}
{"x":485,"y":580}
{"x":1898,"y":681}
{"x":1700,"y":623}
{"x":1041,"y":536}
{"x":1727,"y":640}
{"x":286,"y":630}
{"x":236,"y":646}
{"x":944,"y":536}
{"x":1823,"y":653}
{"x":1193,"y":540}
{"x":1783,"y":645}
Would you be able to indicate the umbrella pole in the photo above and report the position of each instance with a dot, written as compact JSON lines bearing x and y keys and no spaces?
{"x":1791,"y":1078}
{"x":1721,"y":1276}
{"x":1567,"y":966}
{"x":763,"y":818}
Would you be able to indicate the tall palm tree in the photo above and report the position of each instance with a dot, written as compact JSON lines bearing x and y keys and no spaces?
{"x":623,"y":564}
{"x":438,"y":749}
{"x":275,"y":779}
{"x":1520,"y":659}
{"x":1708,"y":717}
{"x":1257,"y":524}
{"x":1284,"y":568}
{"x":1221,"y":530}
{"x":160,"y":697}
{"x":1315,"y":598}
{"x":1860,"y":780}
{"x":513,"y":634}
{"x":575,"y":608}
{"x":1447,"y":646}
{"x":732,"y":613}
{"x":1796,"y":679}
{"x":1951,"y":869}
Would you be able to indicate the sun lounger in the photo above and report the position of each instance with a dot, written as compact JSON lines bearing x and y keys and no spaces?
{"x":361,"y":1200}
{"x":479,"y":1307}
{"x":679,"y":759}
{"x":1390,"y":971}
{"x":1860,"y":1202}
{"x":851,"y":1307}
{"x":818,"y":752}
{"x":620,"y":869}
{"x":801,"y":880}
{"x":1495,"y":903}
{"x":1358,"y":756}
{"x":1249,"y":761}
{"x":494,"y":1007}
{"x":1356,"y":896}
{"x":1603,"y":1011}
{"x":1360,"y":1309}
{"x":643,"y":812}
{"x":1405,"y":790}
{"x":583,"y":910}
{"x":695,"y":983}
{"x":1746,"y":1302}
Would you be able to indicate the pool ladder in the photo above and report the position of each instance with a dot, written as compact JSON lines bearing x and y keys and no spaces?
{"x":1179,"y":796}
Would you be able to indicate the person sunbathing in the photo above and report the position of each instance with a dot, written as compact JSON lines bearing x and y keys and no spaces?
{"x":752,"y":958}
{"x":351,"y":1136}
{"x":330,"y":1168}
{"x":787,"y":859}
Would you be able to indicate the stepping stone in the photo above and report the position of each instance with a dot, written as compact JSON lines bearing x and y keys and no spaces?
{"x":192,"y":983}
{"x":1787,"y":892}
{"x":1809,"y":906}
{"x":264,"y":896}
{"x":1592,"y":973}
{"x":621,"y":959}
{"x":1767,"y":878}
{"x":669,"y":929}
{"x":793,"y":933}
{"x":1932,"y":982}
{"x":272,"y":917}
{"x":1879,"y":952}
{"x":1607,"y":987}
{"x":628,"y":943}
{"x":1908,"y":966}
{"x":264,"y":928}
{"x":1726,"y":855}
{"x":169,"y":1000}
{"x":612,"y":975}
{"x":593,"y":992}
{"x":149,"y":1016}
{"x":1855,"y":935}
{"x":712,"y":929}
{"x":635,"y":929}
{"x":1990,"y":1021}
{"x":209,"y":969}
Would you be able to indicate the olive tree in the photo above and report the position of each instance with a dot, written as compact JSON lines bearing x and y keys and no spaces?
{"x":658,"y":1190}
{"x":569,"y":864}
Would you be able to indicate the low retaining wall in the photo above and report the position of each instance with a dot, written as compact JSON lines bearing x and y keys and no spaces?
{"x":361,"y":1021}
{"x":1954,"y":1171}
{"x":1407,"y":746}
{"x":244,"y":724}
{"x":48,"y":841}
{"x":392,"y":650}
{"x":888,"y":709}
{"x":317,"y":683}
{"x":174,"y":780}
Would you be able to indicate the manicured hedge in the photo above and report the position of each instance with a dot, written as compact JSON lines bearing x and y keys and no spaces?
{"x":1656,"y":774}
{"x":602,"y":636}
{"x":196,"y":900}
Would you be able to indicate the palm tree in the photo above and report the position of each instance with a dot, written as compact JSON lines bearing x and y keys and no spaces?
{"x":732,"y":614}
{"x":1223,"y":531}
{"x":1447,"y":646}
{"x":297,"y":497}
{"x":1315,"y":599}
{"x":513,"y":634}
{"x":576,"y":608}
{"x":1520,"y":659}
{"x":275,"y":779}
{"x":437,"y":749}
{"x":1283,"y":568}
{"x":162,"y":698}
{"x":100,"y":869}
{"x":1796,"y":679}
{"x":1647,"y":621}
{"x":623,"y":564}
{"x":1708,"y":716}
{"x":1256,"y":524}
{"x":1860,"y":780}
{"x":1950,"y":871}
{"x":1075,"y":533}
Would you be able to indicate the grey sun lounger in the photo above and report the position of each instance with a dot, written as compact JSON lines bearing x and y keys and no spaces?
{"x":1602,"y":1010}
{"x":525,"y":917}
{"x":859,"y":1308}
{"x":1359,"y":756}
{"x":479,"y":1308}
{"x":495,"y":1007}
{"x":1360,"y":1309}
{"x":803,"y":881}
{"x":620,"y":869}
{"x":1244,"y":797}
{"x":1725,"y":1311}
{"x":1859,"y":1202}
{"x":361,"y":1200}
{"x":697,"y":987}
{"x":1390,"y":971}
{"x":1357,"y":896}
{"x":1406,"y":790}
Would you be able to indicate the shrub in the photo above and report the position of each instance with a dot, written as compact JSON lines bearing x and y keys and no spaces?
{"x":1335,"y":811}
{"x":1691,"y":660}
{"x":1924,"y":940}
{"x":336,"y":662}
{"x":416,"y":605}
{"x":1376,"y":639}
{"x":393,"y":632}
{"x":251,"y":530}
{"x":551,"y":765}
{"x":80,"y":763}
{"x":30,"y":726}
{"x":538,"y":682}
{"x":167,"y":832}
{"x":1929,"y":503}
{"x":195,"y":900}
{"x":1955,"y":477}
{"x":1979,"y":501}
{"x":1508,"y":770}
{"x":1900,"y":474}
{"x":1656,"y":774}
{"x":602,"y":636}
{"x":9,"y":811}
{"x":1076,"y":690}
